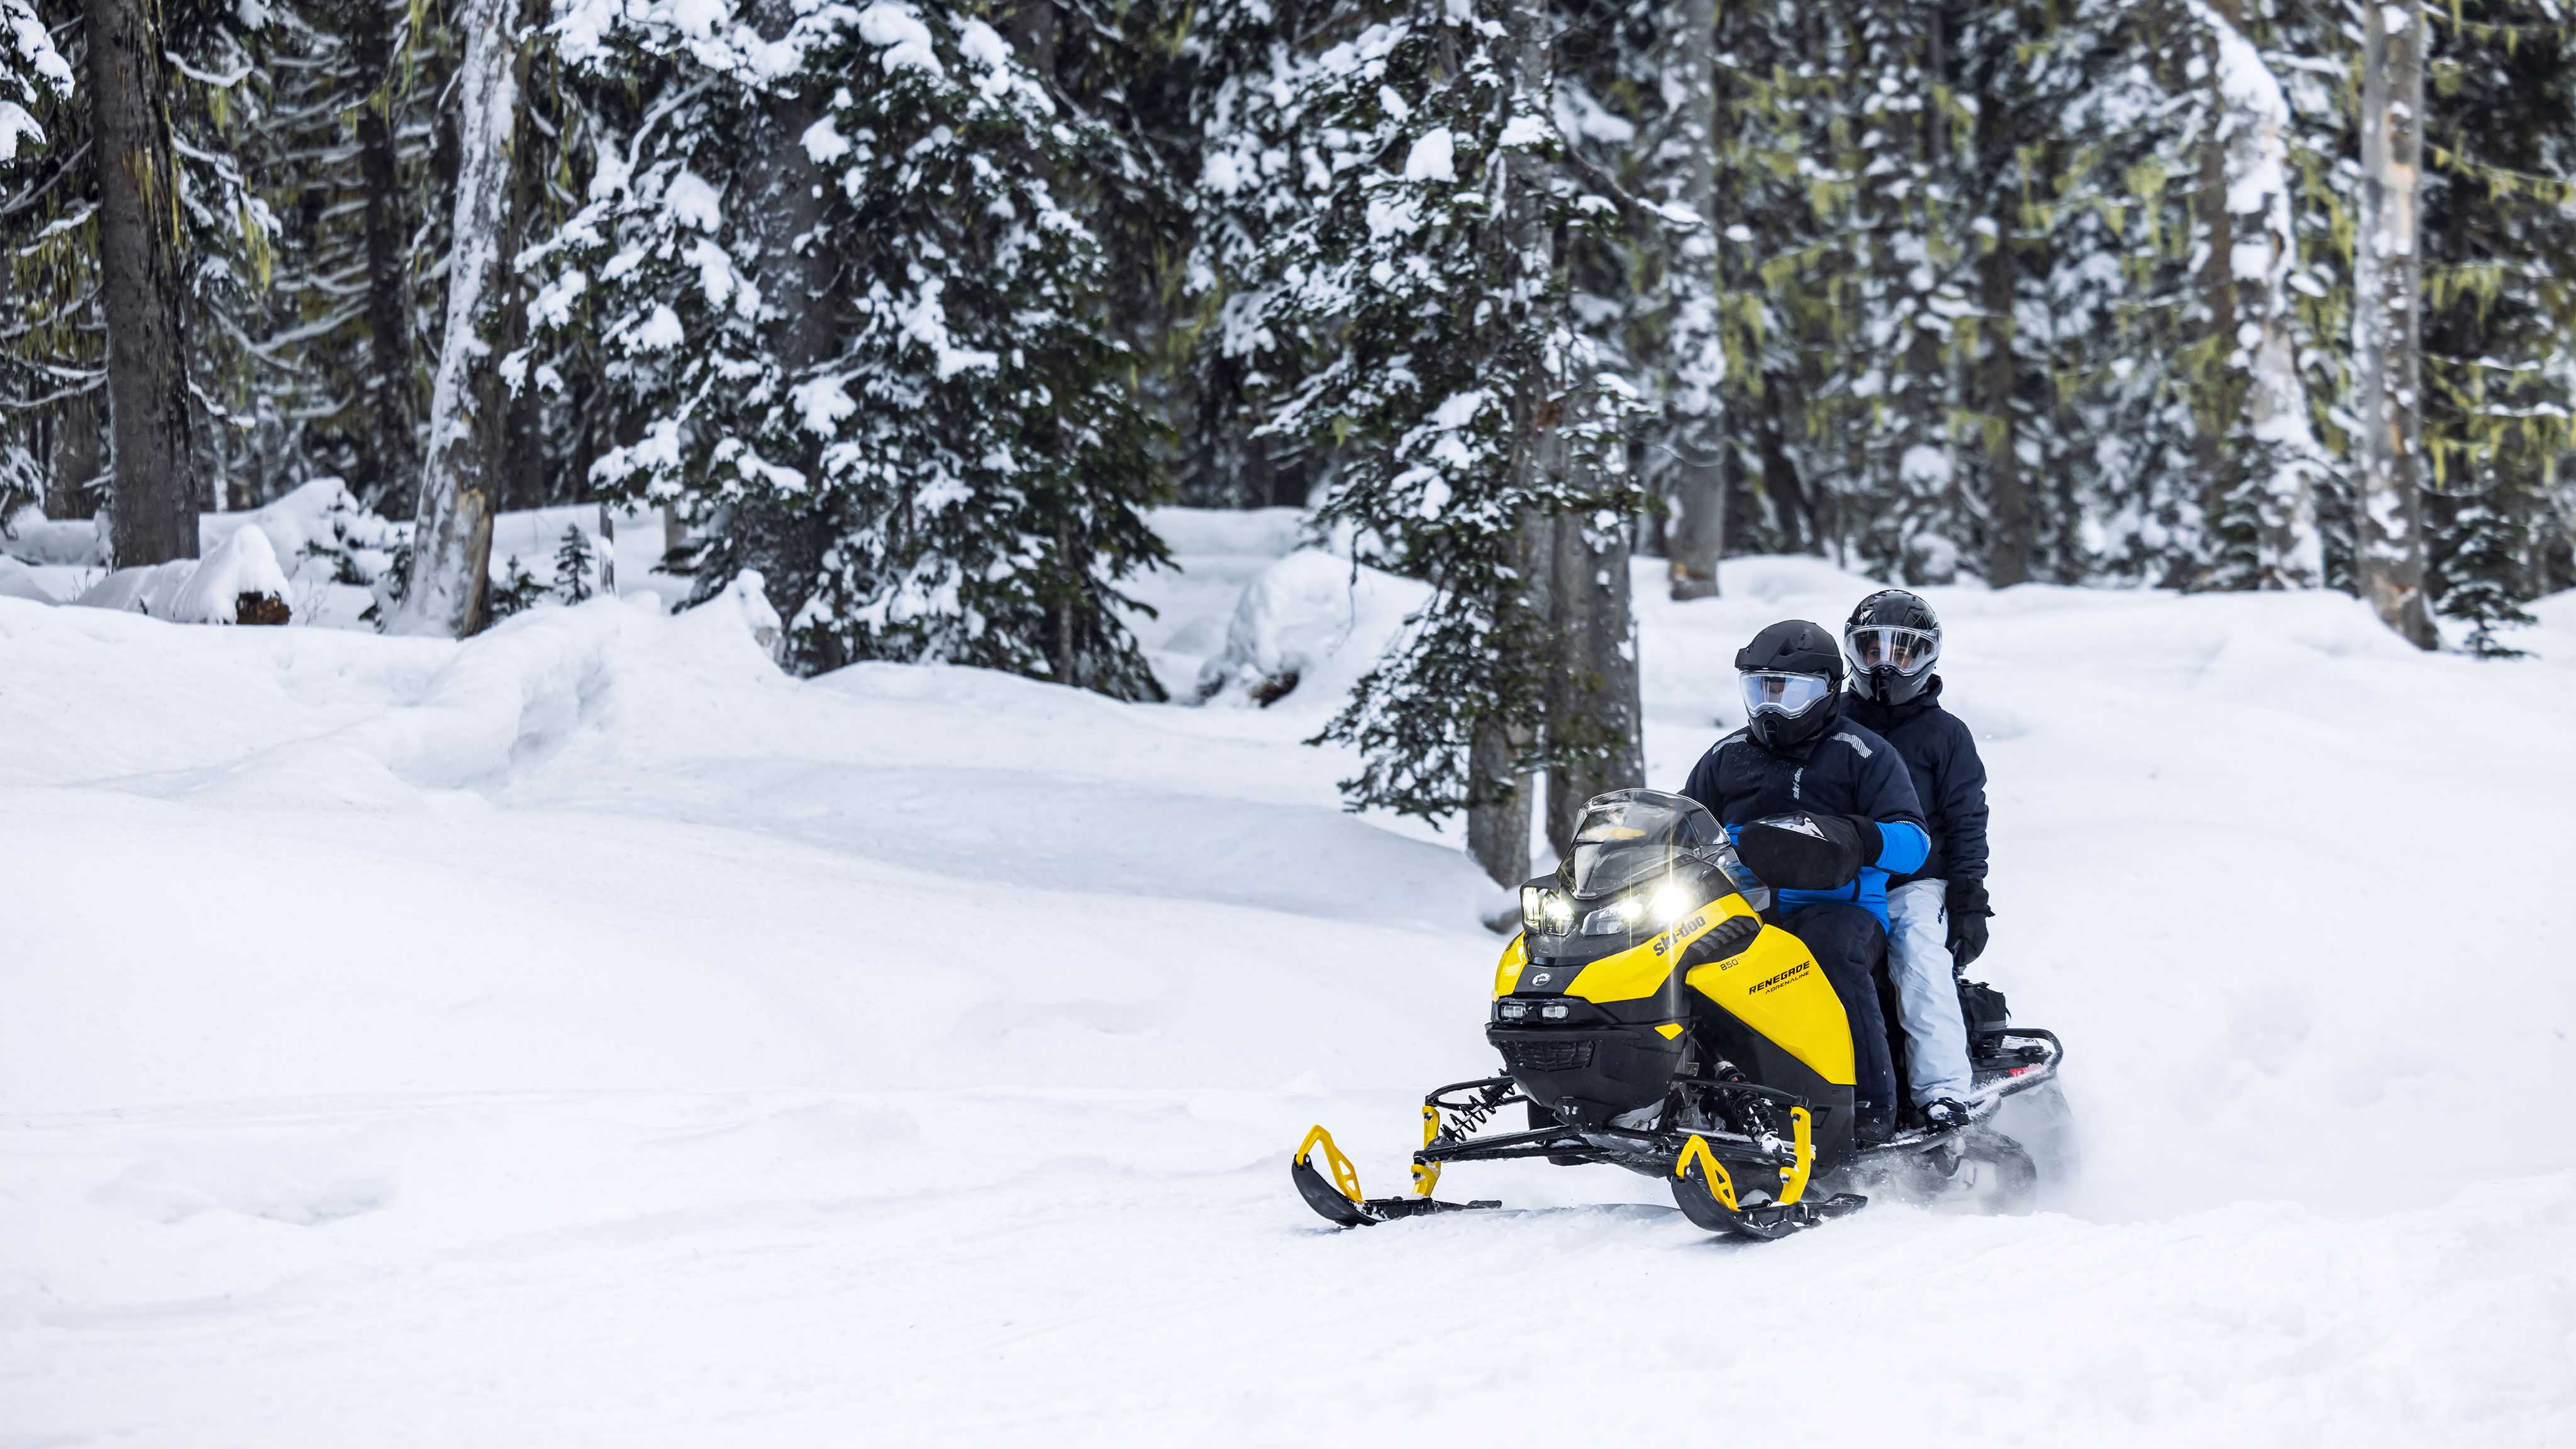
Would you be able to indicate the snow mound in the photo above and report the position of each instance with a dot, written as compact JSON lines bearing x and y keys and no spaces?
{"x":240,"y":579}
{"x":33,"y":538}
{"x":233,"y":583}
{"x":320,"y":522}
{"x":1309,"y":625}
{"x":17,"y":581}
{"x":148,"y":590}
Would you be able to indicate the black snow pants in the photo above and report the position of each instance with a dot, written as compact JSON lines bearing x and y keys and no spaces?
{"x":1851,"y":945}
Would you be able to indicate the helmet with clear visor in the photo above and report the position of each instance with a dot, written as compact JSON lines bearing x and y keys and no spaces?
{"x":1893,"y":639}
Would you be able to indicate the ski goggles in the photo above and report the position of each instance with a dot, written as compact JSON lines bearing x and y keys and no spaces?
{"x":1877,"y":646}
{"x":1775,"y":692}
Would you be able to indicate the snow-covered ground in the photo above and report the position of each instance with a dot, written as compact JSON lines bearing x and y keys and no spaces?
{"x":588,"y":1035}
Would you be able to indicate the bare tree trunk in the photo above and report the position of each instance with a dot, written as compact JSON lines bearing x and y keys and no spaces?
{"x":1592,"y":699}
{"x":2008,"y":521}
{"x":1498,"y":820}
{"x":80,"y":455}
{"x":2009,"y":535}
{"x":1498,"y":830}
{"x":153,"y":514}
{"x":2216,"y":420}
{"x":451,"y":556}
{"x":2387,"y":322}
{"x":1798,"y":528}
{"x":388,"y":289}
{"x":1699,"y":356}
{"x":2289,"y":551}
{"x":783,"y":541}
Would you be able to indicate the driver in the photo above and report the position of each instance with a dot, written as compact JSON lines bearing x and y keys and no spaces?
{"x":1851,"y":821}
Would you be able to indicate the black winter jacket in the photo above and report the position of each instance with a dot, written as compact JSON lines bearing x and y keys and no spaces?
{"x":1845,"y":771}
{"x":1949,"y":779}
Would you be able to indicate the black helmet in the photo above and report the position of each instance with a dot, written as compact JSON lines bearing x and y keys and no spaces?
{"x":1792,"y":677}
{"x":1894,"y":639}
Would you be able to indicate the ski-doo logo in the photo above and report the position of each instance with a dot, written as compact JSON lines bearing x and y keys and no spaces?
{"x":1673,"y":937}
{"x":1782,"y":979}
{"x":1539,"y":980}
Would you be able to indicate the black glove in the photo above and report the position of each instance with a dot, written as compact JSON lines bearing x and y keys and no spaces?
{"x":1803,"y":852}
{"x":1968,"y":912}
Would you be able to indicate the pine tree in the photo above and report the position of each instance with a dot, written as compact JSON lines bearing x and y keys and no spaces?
{"x":36,"y":83}
{"x":575,"y":563}
{"x":921,"y":386}
{"x":1465,"y":412}
{"x":352,"y":314}
{"x":2499,"y":314}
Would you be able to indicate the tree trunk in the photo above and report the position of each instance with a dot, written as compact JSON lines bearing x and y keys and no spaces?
{"x":1592,"y":699}
{"x":2289,"y":553}
{"x":2387,"y":323}
{"x":451,"y":556}
{"x":1498,"y":819}
{"x":388,"y":278}
{"x":1498,"y":829}
{"x":1699,"y":356}
{"x":153,"y":512}
{"x":784,"y":540}
{"x":2009,"y":534}
{"x":1798,"y":532}
{"x":2008,"y":520}
{"x":2217,"y":415}
{"x":79,"y":456}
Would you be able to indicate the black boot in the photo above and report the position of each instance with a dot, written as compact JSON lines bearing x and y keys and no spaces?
{"x":1872,"y":1128}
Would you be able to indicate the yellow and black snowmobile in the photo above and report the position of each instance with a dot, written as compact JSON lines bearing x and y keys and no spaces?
{"x":1648,"y":1016}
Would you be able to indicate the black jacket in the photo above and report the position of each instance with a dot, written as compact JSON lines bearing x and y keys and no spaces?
{"x":1949,"y":779}
{"x":1847,"y":770}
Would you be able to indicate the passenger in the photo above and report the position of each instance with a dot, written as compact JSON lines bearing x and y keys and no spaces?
{"x":1797,"y":755}
{"x":1936,"y":912}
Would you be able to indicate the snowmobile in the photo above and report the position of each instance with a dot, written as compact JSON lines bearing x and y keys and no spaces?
{"x":1650,"y":1017}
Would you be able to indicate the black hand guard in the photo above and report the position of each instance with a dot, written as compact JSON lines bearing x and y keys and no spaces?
{"x":1804,"y":852}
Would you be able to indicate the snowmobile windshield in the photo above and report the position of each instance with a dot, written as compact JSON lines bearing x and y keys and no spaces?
{"x":1629,"y":836}
{"x":1770,"y":692}
{"x":1908,"y":651}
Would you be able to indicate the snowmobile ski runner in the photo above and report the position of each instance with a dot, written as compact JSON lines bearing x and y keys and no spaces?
{"x":1648,"y":1017}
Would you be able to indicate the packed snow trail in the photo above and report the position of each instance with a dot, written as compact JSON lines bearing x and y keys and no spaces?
{"x":585,"y":1034}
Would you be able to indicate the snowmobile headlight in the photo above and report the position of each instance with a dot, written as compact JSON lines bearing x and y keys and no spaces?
{"x":1555,"y":1011}
{"x":1668,"y":904}
{"x":1511,"y":1010}
{"x":1615,"y":918}
{"x":1545,"y":911}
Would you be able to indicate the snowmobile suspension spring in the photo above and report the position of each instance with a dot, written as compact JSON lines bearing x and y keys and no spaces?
{"x":1476,"y":1112}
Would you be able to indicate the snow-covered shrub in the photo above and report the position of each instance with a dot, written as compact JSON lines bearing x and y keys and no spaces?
{"x":320,"y":532}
